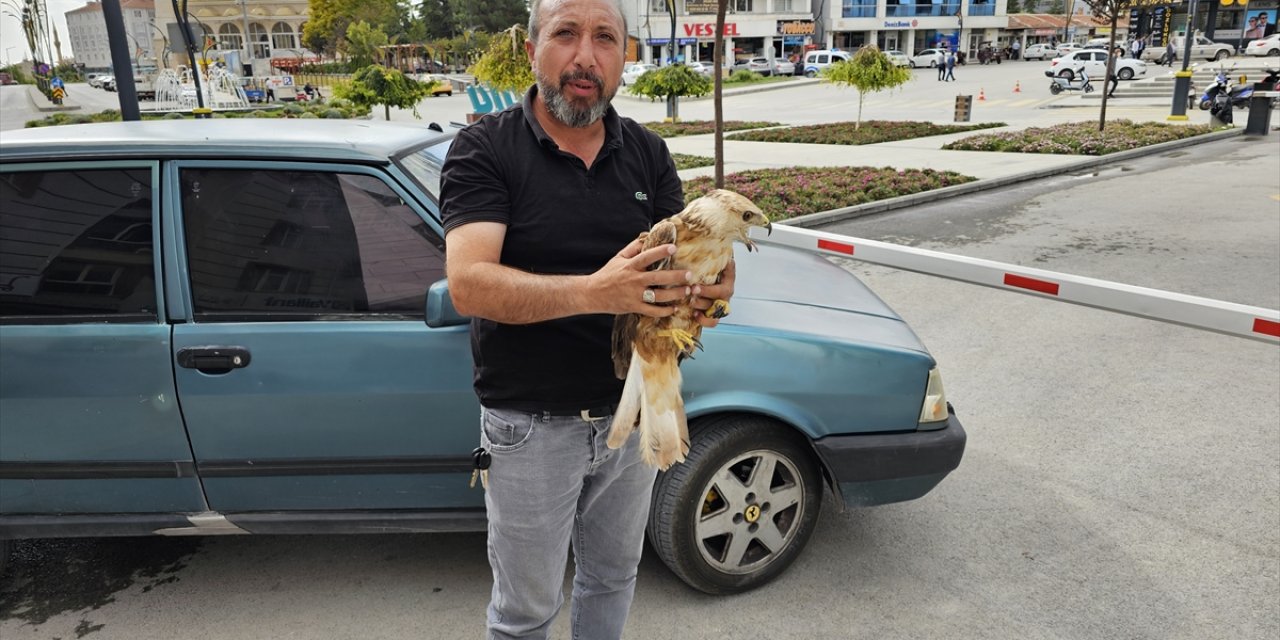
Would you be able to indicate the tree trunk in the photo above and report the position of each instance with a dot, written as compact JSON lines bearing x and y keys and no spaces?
{"x":858,"y":123}
{"x":387,"y":111}
{"x":1111,"y":71}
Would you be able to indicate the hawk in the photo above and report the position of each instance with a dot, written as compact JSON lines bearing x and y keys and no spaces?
{"x":647,"y":351}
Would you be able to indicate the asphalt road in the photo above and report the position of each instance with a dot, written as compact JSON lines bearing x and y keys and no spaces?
{"x":1122,"y":478}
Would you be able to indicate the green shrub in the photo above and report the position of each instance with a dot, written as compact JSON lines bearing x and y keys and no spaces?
{"x":745,"y":76}
{"x":334,"y":114}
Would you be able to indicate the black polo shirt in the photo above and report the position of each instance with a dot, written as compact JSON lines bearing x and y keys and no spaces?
{"x":562,"y":218}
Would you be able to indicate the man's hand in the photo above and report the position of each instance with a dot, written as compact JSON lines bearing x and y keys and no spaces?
{"x":620,"y":285}
{"x":705,"y":295}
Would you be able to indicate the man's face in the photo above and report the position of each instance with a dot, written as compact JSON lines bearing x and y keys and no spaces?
{"x":577,"y":58}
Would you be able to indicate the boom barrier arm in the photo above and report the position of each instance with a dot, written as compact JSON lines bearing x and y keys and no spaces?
{"x":1230,"y":318}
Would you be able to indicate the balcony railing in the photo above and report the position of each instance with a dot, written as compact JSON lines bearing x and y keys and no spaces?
{"x":867,"y":9}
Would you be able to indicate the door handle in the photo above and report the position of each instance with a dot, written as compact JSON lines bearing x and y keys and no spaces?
{"x":213,"y":359}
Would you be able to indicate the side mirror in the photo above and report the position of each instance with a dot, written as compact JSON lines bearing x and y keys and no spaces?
{"x":440,"y":311}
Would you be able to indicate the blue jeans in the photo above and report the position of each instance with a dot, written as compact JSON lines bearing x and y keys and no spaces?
{"x":553,"y":482}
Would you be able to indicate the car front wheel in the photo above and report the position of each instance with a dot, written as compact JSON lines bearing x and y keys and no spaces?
{"x":1125,"y":74}
{"x":741,"y":507}
{"x":1222,"y":55}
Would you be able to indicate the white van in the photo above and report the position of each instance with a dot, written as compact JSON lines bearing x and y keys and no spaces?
{"x":815,"y":61}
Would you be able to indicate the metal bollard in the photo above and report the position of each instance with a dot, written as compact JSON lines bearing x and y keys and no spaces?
{"x":964,"y":106}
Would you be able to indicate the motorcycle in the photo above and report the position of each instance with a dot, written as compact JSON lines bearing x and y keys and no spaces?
{"x":1059,"y":84}
{"x":1222,"y":84}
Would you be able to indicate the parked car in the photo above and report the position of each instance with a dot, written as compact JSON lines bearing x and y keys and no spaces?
{"x":927,"y":58}
{"x":633,"y":71}
{"x":760,"y":65}
{"x":1094,"y":63}
{"x":1066,"y":47}
{"x":783,"y":67}
{"x":1040,"y":51}
{"x":898,"y":58}
{"x":816,"y":61}
{"x":247,"y":330}
{"x":1268,"y":46}
{"x":705,"y":68}
{"x":100,"y":82}
{"x":1202,"y":48}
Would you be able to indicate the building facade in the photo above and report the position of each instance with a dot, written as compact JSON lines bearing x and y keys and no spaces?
{"x":87,"y":34}
{"x":246,"y":35}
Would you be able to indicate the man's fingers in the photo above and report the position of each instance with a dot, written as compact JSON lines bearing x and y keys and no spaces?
{"x":650,"y":256}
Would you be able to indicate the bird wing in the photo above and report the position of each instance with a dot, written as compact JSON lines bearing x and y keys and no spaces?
{"x":624,"y":325}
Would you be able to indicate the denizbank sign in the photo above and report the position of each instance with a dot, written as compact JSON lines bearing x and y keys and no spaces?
{"x":901,"y":24}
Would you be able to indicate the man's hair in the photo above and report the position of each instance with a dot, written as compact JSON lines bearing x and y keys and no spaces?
{"x":535,"y":8}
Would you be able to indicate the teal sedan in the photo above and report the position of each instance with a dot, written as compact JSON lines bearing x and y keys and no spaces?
{"x":242,"y":326}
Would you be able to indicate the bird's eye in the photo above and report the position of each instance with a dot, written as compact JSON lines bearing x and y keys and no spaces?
{"x":746,"y":215}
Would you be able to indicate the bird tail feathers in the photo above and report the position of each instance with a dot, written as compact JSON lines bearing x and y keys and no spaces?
{"x":628,"y":412}
{"x":652,"y":393}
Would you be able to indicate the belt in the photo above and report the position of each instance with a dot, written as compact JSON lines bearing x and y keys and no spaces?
{"x":594,"y":413}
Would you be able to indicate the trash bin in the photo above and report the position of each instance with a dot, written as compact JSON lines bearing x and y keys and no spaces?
{"x":1260,"y":109}
{"x":964,"y":106}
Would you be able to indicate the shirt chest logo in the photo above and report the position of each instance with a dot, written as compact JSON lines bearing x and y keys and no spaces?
{"x":642,"y":196}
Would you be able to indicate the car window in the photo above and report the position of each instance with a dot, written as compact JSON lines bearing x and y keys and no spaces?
{"x":423,"y":166}
{"x":76,"y":246}
{"x":302,"y":245}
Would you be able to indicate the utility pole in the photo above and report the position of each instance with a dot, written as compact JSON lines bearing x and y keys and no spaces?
{"x":248,"y":48}
{"x":118,"y":44}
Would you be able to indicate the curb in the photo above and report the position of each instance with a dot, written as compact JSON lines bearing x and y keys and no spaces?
{"x":857,"y":211}
{"x":42,"y":104}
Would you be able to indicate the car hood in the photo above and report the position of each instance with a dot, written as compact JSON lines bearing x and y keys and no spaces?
{"x":787,"y":290}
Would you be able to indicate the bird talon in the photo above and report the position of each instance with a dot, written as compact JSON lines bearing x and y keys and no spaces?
{"x":682,"y":338}
{"x":718,"y":309}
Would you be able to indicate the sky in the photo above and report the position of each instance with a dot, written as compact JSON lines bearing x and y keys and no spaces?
{"x":13,"y":44}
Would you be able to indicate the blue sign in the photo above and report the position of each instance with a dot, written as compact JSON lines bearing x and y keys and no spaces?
{"x":786,"y":40}
{"x":56,"y":83}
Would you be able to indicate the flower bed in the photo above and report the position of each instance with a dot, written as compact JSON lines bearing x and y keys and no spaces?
{"x":687,"y":161}
{"x":335,"y":108}
{"x":871,"y":132}
{"x":787,"y":193}
{"x":699,"y":127}
{"x":1080,"y":138}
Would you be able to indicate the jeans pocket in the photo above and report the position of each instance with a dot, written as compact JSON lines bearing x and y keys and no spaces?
{"x":506,"y":430}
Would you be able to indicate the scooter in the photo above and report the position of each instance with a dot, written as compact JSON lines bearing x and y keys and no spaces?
{"x":1059,"y":84}
{"x":1239,"y":95}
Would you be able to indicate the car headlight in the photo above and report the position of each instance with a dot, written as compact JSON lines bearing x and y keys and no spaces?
{"x":934,"y":408}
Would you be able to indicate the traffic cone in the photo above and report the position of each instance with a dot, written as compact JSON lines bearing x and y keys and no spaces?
{"x":981,"y":95}
{"x":1017,"y":87}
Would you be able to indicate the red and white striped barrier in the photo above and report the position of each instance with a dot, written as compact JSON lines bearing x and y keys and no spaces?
{"x":1230,"y":318}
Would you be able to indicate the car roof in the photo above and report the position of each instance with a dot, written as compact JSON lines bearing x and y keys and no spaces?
{"x":362,"y":141}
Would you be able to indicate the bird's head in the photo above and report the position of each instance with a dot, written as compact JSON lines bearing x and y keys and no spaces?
{"x":730,"y":214}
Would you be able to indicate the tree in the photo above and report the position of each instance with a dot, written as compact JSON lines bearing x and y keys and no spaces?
{"x":1108,"y":11}
{"x":869,"y":71}
{"x":327,"y":22}
{"x":438,"y":19}
{"x":362,"y":43}
{"x":376,"y":84}
{"x":1014,"y":6}
{"x":490,"y":15}
{"x":1057,"y":7}
{"x":671,"y":82}
{"x":504,"y":65}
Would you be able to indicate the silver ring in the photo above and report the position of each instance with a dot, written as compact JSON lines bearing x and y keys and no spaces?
{"x":649,"y":297}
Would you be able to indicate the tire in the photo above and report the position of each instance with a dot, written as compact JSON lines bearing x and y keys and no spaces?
{"x":1055,"y":88}
{"x":1222,"y":55}
{"x":1068,"y":74}
{"x":1205,"y":104}
{"x":1274,"y":53}
{"x":701,"y":506}
{"x":1125,"y":74}
{"x":912,"y":63}
{"x":809,"y":73}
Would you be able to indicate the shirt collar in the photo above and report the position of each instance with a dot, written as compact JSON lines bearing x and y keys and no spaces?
{"x":612,"y":123}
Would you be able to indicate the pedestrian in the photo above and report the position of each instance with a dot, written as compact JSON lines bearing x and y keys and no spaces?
{"x":1135,"y":48}
{"x":951,"y":67}
{"x":541,"y":205}
{"x":1170,"y":54}
{"x":1016,"y":50}
{"x":310,"y":91}
{"x":941,"y":63}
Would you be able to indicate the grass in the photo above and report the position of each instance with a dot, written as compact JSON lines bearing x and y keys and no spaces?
{"x":1080,"y":138}
{"x":687,"y":161}
{"x":335,"y":108}
{"x":849,"y":133}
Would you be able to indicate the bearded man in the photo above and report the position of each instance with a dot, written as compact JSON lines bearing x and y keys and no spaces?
{"x":542,"y":204}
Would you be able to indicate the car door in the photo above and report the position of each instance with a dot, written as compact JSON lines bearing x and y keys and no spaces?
{"x":90,"y":417}
{"x":307,"y":376}
{"x":1095,"y":63}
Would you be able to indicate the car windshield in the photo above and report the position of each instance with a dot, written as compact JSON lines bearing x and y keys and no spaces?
{"x":423,"y":166}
